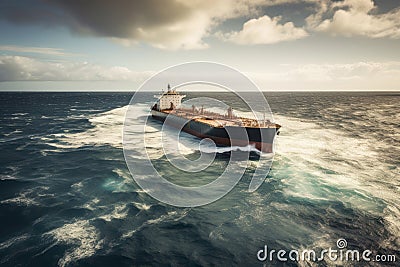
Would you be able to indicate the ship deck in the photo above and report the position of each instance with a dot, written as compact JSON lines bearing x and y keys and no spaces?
{"x":219,"y":120}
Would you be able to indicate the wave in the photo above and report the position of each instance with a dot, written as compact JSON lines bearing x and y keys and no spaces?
{"x":30,"y":197}
{"x":7,"y":177}
{"x":106,"y":130}
{"x":225,"y":149}
{"x":120,"y":211}
{"x":13,"y":241}
{"x":315,"y":163}
{"x":169,"y":216}
{"x":323,"y":164}
{"x":82,"y":236}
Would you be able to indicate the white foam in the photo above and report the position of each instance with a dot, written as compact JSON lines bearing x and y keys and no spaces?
{"x":224,"y":149}
{"x":29,"y":197}
{"x":92,"y":204}
{"x":321,"y":156}
{"x":124,"y":174}
{"x":107,"y":130}
{"x":7,"y":177}
{"x":169,"y":216}
{"x":13,"y":132}
{"x":120,"y":212}
{"x":142,"y":206}
{"x":82,"y":235}
{"x":12,"y":241}
{"x":77,"y":185}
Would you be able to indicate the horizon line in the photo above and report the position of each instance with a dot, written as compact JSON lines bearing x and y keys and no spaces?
{"x":199,"y":91}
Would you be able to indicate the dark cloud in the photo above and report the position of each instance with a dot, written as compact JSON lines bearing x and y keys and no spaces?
{"x":121,"y":19}
{"x":32,"y":12}
{"x":166,"y":24}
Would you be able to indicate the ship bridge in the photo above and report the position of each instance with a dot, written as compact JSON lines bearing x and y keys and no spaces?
{"x":168,"y":100}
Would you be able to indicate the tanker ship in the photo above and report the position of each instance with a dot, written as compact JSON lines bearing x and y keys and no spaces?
{"x":224,"y":129}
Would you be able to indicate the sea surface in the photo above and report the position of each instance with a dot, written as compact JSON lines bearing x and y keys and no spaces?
{"x":68,"y":199}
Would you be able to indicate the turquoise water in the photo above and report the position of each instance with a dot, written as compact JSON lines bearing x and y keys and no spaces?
{"x":68,"y":199}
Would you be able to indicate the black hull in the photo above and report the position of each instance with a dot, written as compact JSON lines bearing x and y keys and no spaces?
{"x":261,"y":138}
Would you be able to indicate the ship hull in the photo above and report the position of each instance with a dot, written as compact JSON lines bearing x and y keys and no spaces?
{"x":261,"y":138}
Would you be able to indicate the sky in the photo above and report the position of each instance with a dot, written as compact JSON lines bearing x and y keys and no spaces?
{"x":78,"y":45}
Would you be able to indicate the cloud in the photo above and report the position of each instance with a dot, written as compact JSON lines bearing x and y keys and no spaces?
{"x":356,"y":18}
{"x":165,"y":24}
{"x":181,"y":24}
{"x":265,"y":30}
{"x":17,"y":68}
{"x":349,"y":71}
{"x":347,"y":76}
{"x":36,"y":50}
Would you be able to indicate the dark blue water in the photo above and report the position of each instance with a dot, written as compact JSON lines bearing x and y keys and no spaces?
{"x":67,"y":197}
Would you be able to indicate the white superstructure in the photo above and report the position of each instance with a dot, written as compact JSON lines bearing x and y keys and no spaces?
{"x":169,"y":100}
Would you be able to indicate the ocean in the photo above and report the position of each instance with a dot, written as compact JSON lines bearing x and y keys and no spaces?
{"x":67,"y":197}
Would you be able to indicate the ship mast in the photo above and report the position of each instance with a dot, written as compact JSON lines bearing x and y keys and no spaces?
{"x":264,"y":118}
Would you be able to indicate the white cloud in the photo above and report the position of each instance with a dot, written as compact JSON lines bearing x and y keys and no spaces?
{"x":355,"y":17}
{"x":265,"y":30}
{"x":348,"y":76}
{"x":186,"y":34}
{"x":202,"y":17}
{"x":332,"y":72}
{"x":36,"y":50}
{"x":17,"y":68}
